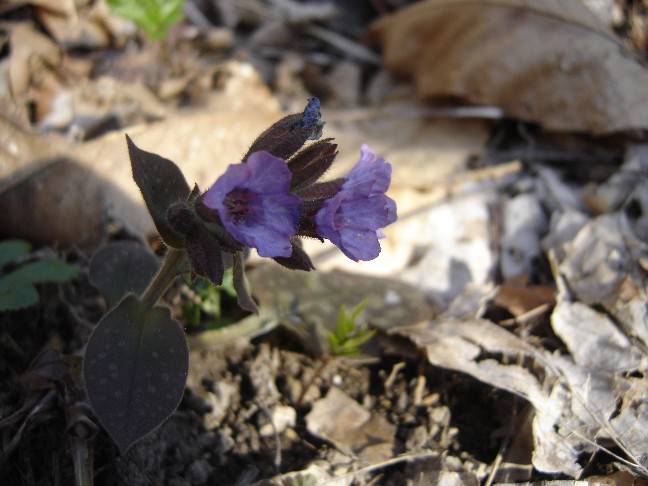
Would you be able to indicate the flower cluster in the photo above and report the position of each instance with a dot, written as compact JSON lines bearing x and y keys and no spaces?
{"x":273,"y":197}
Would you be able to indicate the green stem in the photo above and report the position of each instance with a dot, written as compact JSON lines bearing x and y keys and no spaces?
{"x":165,"y":276}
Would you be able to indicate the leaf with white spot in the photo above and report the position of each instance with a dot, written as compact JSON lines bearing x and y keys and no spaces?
{"x":120,"y":268}
{"x":135,"y":369}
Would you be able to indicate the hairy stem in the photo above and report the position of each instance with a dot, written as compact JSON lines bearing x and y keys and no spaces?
{"x":165,"y":276}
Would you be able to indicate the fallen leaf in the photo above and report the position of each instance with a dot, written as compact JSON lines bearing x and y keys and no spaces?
{"x":350,"y":427}
{"x":524,"y":224}
{"x":518,"y":297}
{"x":546,"y":61}
{"x":473,"y":346}
{"x":63,"y":202}
{"x":74,"y":31}
{"x":593,"y":339}
{"x":30,"y":50}
{"x":600,"y":259}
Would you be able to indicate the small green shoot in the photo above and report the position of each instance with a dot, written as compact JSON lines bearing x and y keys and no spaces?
{"x":153,"y":16}
{"x":347,"y":337}
{"x":208,"y":302}
{"x":17,"y":289}
{"x":345,"y":340}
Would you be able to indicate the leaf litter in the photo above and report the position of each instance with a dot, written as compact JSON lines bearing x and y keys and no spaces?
{"x":510,"y":300}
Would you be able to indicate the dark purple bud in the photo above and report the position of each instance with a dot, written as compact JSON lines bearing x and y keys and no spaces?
{"x":205,"y":255}
{"x":311,"y":163}
{"x":212,"y":217}
{"x":288,"y":135}
{"x":322,"y":190}
{"x":206,"y":213}
{"x":298,"y":260}
{"x":180,"y":218}
{"x":313,"y":198}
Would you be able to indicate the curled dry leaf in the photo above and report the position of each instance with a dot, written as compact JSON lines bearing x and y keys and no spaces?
{"x":546,"y":61}
{"x":30,"y":50}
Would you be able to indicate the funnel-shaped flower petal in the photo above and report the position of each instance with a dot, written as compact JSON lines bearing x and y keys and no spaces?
{"x":255,"y":205}
{"x":352,"y":218}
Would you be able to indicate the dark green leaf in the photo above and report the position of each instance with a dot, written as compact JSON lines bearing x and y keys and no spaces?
{"x":162,"y":184}
{"x":16,"y":295}
{"x":135,"y":369}
{"x":120,"y":268}
{"x":11,"y":250}
{"x":45,"y":270}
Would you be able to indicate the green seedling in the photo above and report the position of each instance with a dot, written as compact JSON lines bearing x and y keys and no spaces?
{"x":152,"y":16}
{"x":347,"y":337}
{"x":345,"y":340}
{"x":205,"y":310}
{"x":17,"y":286}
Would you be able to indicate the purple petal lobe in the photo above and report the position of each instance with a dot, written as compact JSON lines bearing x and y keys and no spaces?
{"x":255,"y":205}
{"x":353,"y":217}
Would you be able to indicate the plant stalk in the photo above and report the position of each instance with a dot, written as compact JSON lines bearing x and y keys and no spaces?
{"x":165,"y":276}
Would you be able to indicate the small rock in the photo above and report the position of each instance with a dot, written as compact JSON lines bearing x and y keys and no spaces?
{"x":282,"y":417}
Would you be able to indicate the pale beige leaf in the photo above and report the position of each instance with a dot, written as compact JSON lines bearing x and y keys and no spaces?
{"x":547,"y":61}
{"x":593,"y":339}
{"x":472,"y":346}
{"x":344,"y":422}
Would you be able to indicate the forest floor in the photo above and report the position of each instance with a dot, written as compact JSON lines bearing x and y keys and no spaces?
{"x":509,"y":300}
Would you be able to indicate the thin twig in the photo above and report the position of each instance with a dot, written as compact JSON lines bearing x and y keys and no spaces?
{"x":277,"y":458}
{"x":383,"y":465}
{"x":389,"y":382}
{"x":527,"y":316}
{"x":352,"y":48}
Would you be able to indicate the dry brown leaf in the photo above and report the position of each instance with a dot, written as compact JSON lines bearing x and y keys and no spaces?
{"x":73,"y":31}
{"x":63,"y":203}
{"x":30,"y":51}
{"x":518,"y":297}
{"x":472,"y":345}
{"x":344,"y":422}
{"x":547,"y":61}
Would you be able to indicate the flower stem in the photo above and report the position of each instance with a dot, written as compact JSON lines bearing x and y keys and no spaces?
{"x":165,"y":276}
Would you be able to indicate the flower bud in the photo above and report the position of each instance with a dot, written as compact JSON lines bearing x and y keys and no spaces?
{"x":289,"y":134}
{"x":311,"y":163}
{"x":181,"y":218}
{"x":205,"y":255}
{"x":298,"y":259}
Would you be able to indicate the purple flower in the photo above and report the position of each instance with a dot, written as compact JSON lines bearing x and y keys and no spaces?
{"x":255,"y":205}
{"x":352,"y":218}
